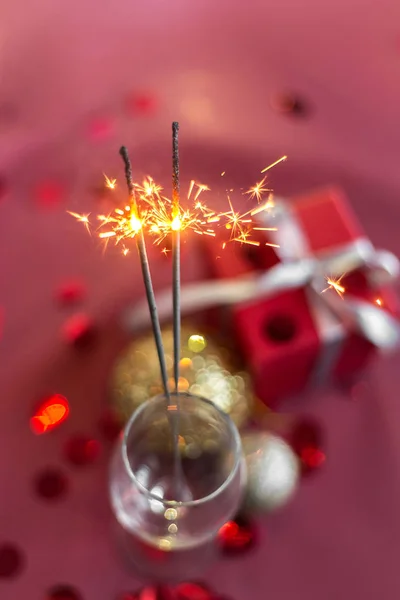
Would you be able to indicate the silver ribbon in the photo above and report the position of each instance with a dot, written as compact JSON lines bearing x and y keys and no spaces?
{"x":299,"y":268}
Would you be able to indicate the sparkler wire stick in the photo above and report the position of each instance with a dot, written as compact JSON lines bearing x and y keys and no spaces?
{"x":176,"y":252}
{"x":148,"y":284}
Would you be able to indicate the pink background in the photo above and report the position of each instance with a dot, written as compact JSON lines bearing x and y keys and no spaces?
{"x":66,"y":68}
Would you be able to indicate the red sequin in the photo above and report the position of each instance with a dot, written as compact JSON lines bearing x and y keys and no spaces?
{"x":70,"y":292}
{"x":306,"y":440}
{"x":48,"y":194}
{"x":81,"y":450}
{"x":78,"y":330}
{"x":49,"y":414}
{"x":236,"y":536}
{"x":51,"y":484}
{"x":11,"y":561}
{"x":63,"y":592}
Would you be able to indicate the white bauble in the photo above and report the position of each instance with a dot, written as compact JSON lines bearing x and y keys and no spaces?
{"x":272,"y":471}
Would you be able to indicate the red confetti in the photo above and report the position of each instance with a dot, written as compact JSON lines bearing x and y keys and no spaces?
{"x":11,"y":561}
{"x":306,"y":440}
{"x":236,"y":536}
{"x":70,"y":292}
{"x":82,"y":450}
{"x":51,"y":484}
{"x":50,"y":414}
{"x":141,"y":104}
{"x":110,"y":425}
{"x":193,"y":591}
{"x":63,"y":592}
{"x":183,"y":591}
{"x":48,"y":194}
{"x":78,"y":330}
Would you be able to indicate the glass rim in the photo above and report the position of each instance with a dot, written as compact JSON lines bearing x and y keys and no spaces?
{"x":189,"y":503}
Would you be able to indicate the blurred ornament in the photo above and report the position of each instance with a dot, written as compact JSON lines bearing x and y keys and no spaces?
{"x":81,"y":450}
{"x":70,"y":292}
{"x":237,"y":536}
{"x":11,"y":561}
{"x":206,"y":370}
{"x":49,"y":414}
{"x":272,"y":471}
{"x":306,"y":439}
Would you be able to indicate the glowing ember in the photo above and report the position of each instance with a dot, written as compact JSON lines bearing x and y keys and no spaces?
{"x":110,"y":183}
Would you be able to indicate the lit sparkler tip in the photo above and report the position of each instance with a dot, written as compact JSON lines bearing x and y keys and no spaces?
{"x":110,"y":183}
{"x":282,"y":159}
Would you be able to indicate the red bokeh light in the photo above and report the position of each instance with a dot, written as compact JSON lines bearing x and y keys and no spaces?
{"x":11,"y":561}
{"x":78,"y":330}
{"x":48,"y":194}
{"x":101,"y":128}
{"x":70,"y":292}
{"x":144,"y":104}
{"x":81,"y":450}
{"x":307,"y":441}
{"x":50,"y":414}
{"x":51,"y":484}
{"x":312,"y":458}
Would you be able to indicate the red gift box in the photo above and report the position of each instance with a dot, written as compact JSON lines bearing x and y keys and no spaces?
{"x":300,"y":336}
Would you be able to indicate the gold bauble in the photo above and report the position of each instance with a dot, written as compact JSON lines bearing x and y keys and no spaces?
{"x":206,"y":368}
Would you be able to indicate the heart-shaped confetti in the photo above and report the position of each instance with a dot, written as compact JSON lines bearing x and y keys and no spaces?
{"x":237,"y":536}
{"x":306,"y":439}
{"x":49,"y":414}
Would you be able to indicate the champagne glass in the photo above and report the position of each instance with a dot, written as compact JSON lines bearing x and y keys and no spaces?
{"x":170,"y":499}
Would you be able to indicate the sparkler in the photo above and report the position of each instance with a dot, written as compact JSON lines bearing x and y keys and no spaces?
{"x":176,"y":251}
{"x":137,"y":231}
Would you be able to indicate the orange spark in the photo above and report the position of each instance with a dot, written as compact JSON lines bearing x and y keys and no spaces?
{"x":282,"y":159}
{"x":81,"y":219}
{"x":335,"y":284}
{"x":110,"y":183}
{"x":258,"y":190}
